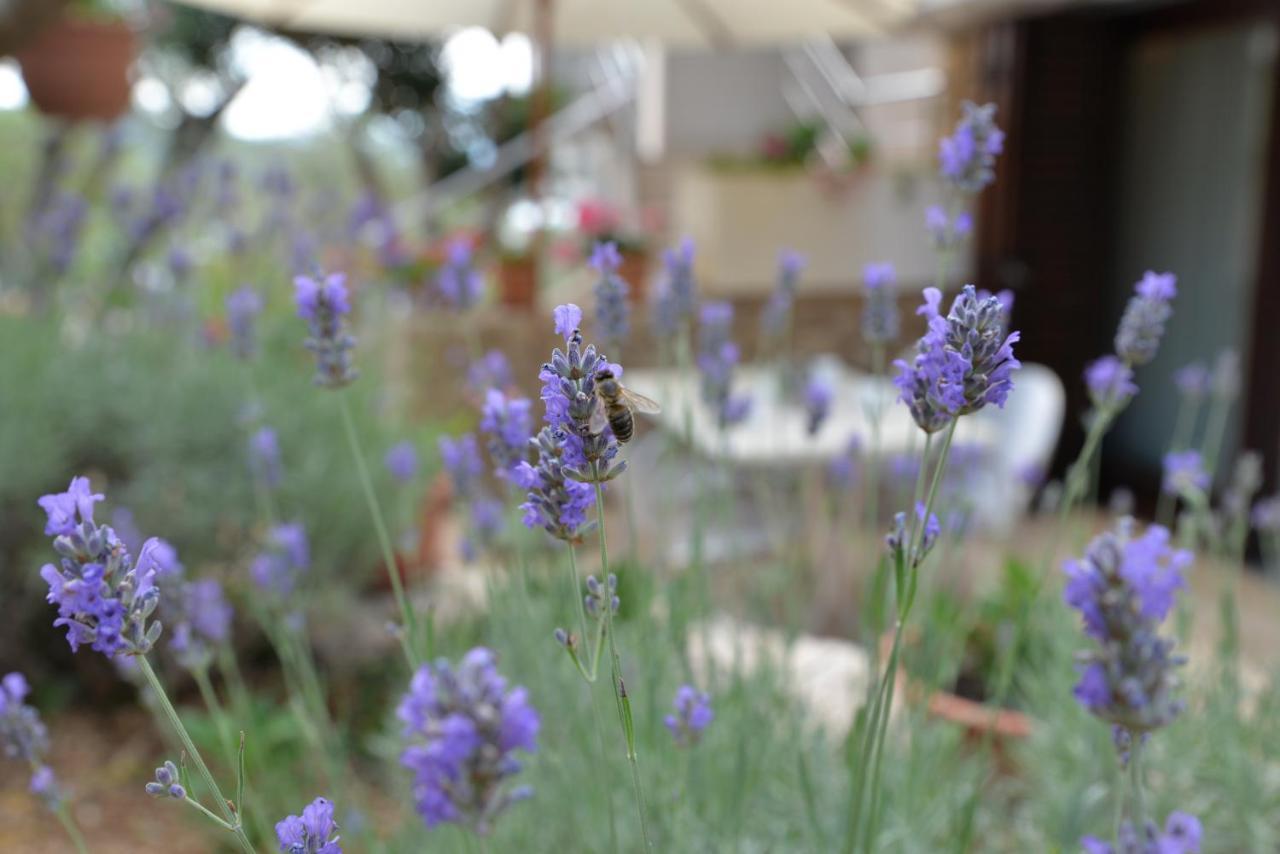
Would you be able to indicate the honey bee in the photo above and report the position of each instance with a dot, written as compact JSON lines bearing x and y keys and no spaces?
{"x":614,"y":406}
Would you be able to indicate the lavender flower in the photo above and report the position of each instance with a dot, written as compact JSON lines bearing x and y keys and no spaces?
{"x":693,"y":715}
{"x":324,"y":305}
{"x":880,"y":323}
{"x":463,"y":729}
{"x":458,"y":283}
{"x":1192,"y":381}
{"x":461,"y":459}
{"x":967,"y":158}
{"x":402,"y":461}
{"x":613,"y":312}
{"x":674,"y":306}
{"x":899,"y":539}
{"x":1184,"y":473}
{"x":1110,"y":383}
{"x":264,"y":457}
{"x":286,"y":556}
{"x":946,"y":232}
{"x":44,"y":785}
{"x":23,"y":737}
{"x":817,"y":402}
{"x":1142,"y":325}
{"x":180,"y":263}
{"x":508,"y":426}
{"x":312,"y":833}
{"x":165,"y":783}
{"x":569,"y":394}
{"x":776,"y":318}
{"x":842,"y":471}
{"x":22,"y":733}
{"x":717,"y":357}
{"x":555,"y":503}
{"x":1266,"y":515}
{"x":492,"y":370}
{"x":963,"y":362}
{"x":201,"y":619}
{"x":596,"y":593}
{"x":1181,"y":835}
{"x":1124,"y":587}
{"x":126,"y":528}
{"x":243,"y":307}
{"x":102,"y":599}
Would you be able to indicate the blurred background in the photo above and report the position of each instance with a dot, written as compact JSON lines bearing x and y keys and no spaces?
{"x":146,"y":146}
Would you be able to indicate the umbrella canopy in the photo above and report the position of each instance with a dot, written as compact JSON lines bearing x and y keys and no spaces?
{"x":691,"y":23}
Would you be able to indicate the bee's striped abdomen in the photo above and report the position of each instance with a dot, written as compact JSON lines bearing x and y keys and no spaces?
{"x":622,"y":424}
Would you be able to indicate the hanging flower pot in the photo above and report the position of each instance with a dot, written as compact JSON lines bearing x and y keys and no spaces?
{"x":78,"y":69}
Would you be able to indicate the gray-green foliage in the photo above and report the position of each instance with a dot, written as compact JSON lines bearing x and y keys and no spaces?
{"x":156,"y":422}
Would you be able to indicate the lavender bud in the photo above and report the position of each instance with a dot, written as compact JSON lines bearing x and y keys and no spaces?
{"x":880,"y":321}
{"x":1142,"y":325}
{"x":613,"y":312}
{"x":967,"y":157}
{"x":325,"y":305}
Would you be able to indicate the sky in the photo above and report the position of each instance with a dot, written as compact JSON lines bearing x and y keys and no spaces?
{"x":288,"y":95}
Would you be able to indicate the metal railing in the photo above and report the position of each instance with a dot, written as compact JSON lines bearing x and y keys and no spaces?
{"x":611,"y":80}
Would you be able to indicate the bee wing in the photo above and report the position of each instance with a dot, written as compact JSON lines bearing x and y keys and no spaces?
{"x":599,"y":418}
{"x":640,"y":403}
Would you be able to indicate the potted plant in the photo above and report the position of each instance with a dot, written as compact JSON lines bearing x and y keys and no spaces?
{"x":517,"y":278}
{"x":77,"y":66}
{"x":964,"y":691}
{"x":601,"y":222}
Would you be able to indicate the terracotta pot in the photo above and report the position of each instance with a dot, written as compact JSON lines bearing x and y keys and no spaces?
{"x":980,"y":722}
{"x":518,"y":282}
{"x":635,"y":270}
{"x":77,"y":69}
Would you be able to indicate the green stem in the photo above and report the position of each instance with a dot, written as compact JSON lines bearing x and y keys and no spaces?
{"x":872,"y":727}
{"x":1139,"y":816}
{"x":872,"y":503}
{"x":408,"y":633}
{"x":214,"y":707}
{"x":1214,"y":433}
{"x":915,"y":557}
{"x":176,"y":722}
{"x":63,"y":812}
{"x":619,"y":694}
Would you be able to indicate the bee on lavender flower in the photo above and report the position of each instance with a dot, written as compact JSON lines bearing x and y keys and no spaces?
{"x":616,"y":405}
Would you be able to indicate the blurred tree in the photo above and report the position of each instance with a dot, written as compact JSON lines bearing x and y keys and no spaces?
{"x":189,"y":44}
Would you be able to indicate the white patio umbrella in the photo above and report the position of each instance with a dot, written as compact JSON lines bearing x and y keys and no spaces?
{"x":692,"y":23}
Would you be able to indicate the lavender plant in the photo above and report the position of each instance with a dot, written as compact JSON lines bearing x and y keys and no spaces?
{"x":24,"y":737}
{"x":105,"y":600}
{"x":613,"y":312}
{"x":588,"y":455}
{"x":325,"y":306}
{"x":1124,"y":587}
{"x":463,"y":729}
{"x":717,"y":358}
{"x":963,"y":362}
{"x":777,"y":321}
